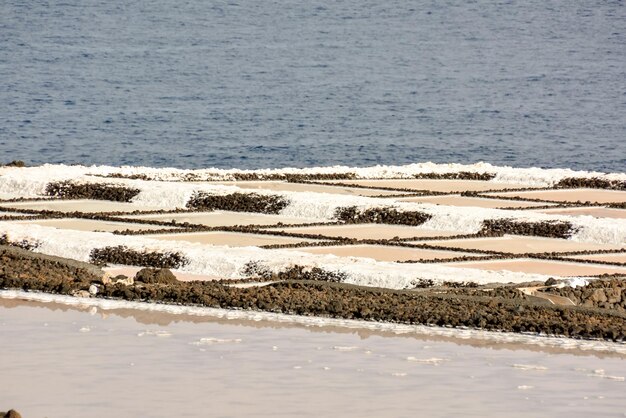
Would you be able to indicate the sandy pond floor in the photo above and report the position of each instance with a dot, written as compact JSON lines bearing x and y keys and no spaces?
{"x":71,"y":361}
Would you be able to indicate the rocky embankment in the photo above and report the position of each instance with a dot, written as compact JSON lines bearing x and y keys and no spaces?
{"x":607,"y":293}
{"x":500,"y":309}
{"x":12,"y":413}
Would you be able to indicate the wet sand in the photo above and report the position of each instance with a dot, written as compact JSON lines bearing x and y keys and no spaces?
{"x":108,"y":364}
{"x":386,"y":253}
{"x":447,"y":186}
{"x":556,"y":268}
{"x":79,"y":205}
{"x":232,"y":239}
{"x":457,"y":200}
{"x":369,"y":231}
{"x":91,"y":225}
{"x":518,"y":244}
{"x":571,"y":195}
{"x":224,"y":218}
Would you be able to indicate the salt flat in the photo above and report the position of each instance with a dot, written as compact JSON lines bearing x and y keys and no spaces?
{"x":90,"y":225}
{"x":570,"y":195}
{"x":458,"y":200}
{"x":547,"y":267}
{"x":519,"y":244}
{"x":607,"y":258}
{"x":79,"y":205}
{"x":224,"y":218}
{"x":386,"y":253}
{"x":596,"y":212}
{"x":368,"y":231}
{"x":231,"y":239}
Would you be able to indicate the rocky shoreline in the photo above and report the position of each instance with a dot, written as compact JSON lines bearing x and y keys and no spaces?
{"x":318,"y":293}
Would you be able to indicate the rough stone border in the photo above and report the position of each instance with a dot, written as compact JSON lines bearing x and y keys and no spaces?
{"x":239,"y":202}
{"x":126,"y":256}
{"x":94,"y":191}
{"x":381,"y":215}
{"x":590,"y":183}
{"x":551,"y":229}
{"x":464,"y":306}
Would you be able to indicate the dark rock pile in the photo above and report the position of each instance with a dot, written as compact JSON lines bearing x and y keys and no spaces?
{"x":551,"y":229}
{"x":127,"y":256}
{"x":292,"y":177}
{"x":350,"y":302}
{"x":253,"y":176}
{"x":461,"y":175}
{"x":590,"y":183}
{"x":24,"y":244}
{"x":150,"y":275}
{"x":26,"y":270}
{"x":238,"y":202}
{"x":354,"y":215}
{"x":10,"y":414}
{"x":98,"y":191}
{"x":16,"y":163}
{"x":256,"y":270}
{"x":617,"y":205}
{"x":607,"y":293}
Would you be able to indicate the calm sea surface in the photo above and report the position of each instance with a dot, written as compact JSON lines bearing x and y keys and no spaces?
{"x":253,"y":84}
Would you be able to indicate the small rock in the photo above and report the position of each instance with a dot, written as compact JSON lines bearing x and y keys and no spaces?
{"x":598,"y":296}
{"x":613,"y":295}
{"x":150,"y":275}
{"x":551,"y":281}
{"x":93,"y":289}
{"x":80,"y":293}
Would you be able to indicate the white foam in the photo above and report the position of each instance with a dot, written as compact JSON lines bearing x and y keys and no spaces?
{"x":532,"y":176}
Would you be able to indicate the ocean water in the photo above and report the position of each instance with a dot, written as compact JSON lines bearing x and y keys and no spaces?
{"x":246,"y":84}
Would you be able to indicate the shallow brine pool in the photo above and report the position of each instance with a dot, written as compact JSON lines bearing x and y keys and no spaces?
{"x":58,"y":360}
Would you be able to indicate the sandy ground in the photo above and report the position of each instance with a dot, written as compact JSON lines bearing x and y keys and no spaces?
{"x":224,"y":218}
{"x":609,"y":258}
{"x":369,"y":231}
{"x":232,"y":239}
{"x":90,"y":225}
{"x":435,"y":185}
{"x":82,"y":205}
{"x":300,"y":187}
{"x":457,"y":200}
{"x":557,"y":268}
{"x":571,"y":195}
{"x":383,"y":253}
{"x":518,"y":244}
{"x":596,"y":212}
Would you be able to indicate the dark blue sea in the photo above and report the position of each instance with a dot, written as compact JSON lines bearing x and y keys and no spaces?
{"x":252,"y":84}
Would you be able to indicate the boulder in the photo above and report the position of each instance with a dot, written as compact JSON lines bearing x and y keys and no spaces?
{"x":150,"y":275}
